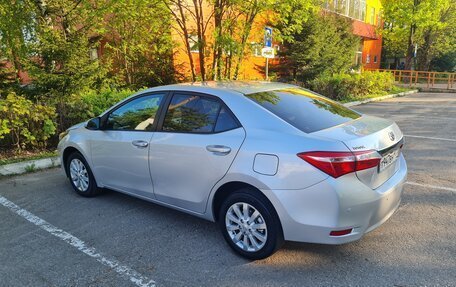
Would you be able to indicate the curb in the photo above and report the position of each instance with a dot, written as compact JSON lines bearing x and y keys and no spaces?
{"x":29,"y":166}
{"x":356,"y":103}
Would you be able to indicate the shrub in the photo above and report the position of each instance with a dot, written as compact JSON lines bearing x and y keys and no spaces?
{"x":91,"y":104}
{"x":344,"y":87}
{"x":25,"y":124}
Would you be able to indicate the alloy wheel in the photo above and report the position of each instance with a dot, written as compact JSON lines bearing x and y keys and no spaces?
{"x":79,"y":175}
{"x":246,"y":227}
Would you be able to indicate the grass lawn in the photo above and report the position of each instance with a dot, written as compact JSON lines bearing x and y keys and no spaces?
{"x":7,"y":157}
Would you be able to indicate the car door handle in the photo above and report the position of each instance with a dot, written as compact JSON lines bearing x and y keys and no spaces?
{"x":140,"y":144}
{"x":219,"y":149}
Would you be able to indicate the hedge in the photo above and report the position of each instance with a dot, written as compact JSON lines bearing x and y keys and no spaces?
{"x":343,"y":87}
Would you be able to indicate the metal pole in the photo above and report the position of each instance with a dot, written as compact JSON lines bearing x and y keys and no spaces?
{"x":267,"y":69}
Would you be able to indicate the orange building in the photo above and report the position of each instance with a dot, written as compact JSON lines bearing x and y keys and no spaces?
{"x":365,"y":15}
{"x":253,"y":64}
{"x":366,"y":19}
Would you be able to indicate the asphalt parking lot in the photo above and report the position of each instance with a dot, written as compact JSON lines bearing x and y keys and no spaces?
{"x":124,"y":241}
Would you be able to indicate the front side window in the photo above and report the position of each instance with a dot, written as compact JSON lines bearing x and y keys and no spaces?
{"x":139,"y":114}
{"x":196,"y":114}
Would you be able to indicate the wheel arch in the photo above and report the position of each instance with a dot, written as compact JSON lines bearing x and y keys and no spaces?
{"x":65,"y":155}
{"x":227,"y":188}
{"x":70,"y":149}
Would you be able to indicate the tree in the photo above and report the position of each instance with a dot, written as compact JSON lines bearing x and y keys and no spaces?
{"x":138,"y":42}
{"x":58,"y":59}
{"x":425,"y":24}
{"x":190,"y":19}
{"x":445,"y":62}
{"x":325,"y":45}
{"x":16,"y":29}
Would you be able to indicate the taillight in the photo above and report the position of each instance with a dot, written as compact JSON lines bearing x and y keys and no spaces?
{"x":339,"y":163}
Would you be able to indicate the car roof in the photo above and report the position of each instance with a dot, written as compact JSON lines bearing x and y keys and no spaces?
{"x":244,"y":87}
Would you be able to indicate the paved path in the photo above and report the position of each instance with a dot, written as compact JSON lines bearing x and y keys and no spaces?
{"x":49,"y":236}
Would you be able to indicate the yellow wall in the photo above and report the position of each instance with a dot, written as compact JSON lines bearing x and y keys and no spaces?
{"x":377,"y":5}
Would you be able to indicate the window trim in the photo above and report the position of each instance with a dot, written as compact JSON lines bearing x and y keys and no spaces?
{"x":166,"y":104}
{"x":105,"y":117}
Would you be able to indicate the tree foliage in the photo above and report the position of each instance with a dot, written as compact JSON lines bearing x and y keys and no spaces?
{"x":138,"y":42}
{"x":24,"y":123}
{"x":428,"y":24}
{"x":325,"y":45}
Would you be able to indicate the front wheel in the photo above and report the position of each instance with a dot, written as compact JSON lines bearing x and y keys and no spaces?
{"x":250,"y":225}
{"x":80,"y":175}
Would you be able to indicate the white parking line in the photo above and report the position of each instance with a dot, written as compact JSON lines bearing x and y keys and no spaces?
{"x":432,"y":186}
{"x":119,"y":268}
{"x":431,"y":138}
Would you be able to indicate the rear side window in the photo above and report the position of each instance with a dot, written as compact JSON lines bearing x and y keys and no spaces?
{"x":304,"y":109}
{"x":196,"y":114}
{"x":225,"y":121}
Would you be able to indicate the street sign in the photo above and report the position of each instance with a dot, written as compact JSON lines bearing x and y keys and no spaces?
{"x":268,"y":37}
{"x":267,"y":52}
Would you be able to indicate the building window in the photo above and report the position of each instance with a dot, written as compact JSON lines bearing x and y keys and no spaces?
{"x":363,"y":10}
{"x":372,"y":16}
{"x":375,"y":59}
{"x":93,"y":54}
{"x":342,"y":7}
{"x":256,"y":49}
{"x":357,"y":9}
{"x":358,"y":58}
{"x":193,"y":42}
{"x":351,"y":8}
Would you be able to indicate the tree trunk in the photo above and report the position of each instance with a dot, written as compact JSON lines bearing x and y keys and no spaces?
{"x":201,"y":37}
{"x":183,"y":25}
{"x":424,"y":60}
{"x":245,"y":35}
{"x":411,"y":42}
{"x":219,"y":10}
{"x":410,"y":48}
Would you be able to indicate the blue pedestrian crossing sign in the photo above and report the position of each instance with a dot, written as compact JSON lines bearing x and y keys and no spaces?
{"x":268,"y":37}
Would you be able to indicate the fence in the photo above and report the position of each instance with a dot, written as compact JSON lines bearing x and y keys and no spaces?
{"x":422,"y":78}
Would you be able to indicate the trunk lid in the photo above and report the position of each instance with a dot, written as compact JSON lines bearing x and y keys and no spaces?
{"x":370,"y":133}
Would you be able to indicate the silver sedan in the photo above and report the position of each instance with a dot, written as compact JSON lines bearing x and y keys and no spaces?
{"x":268,"y":162}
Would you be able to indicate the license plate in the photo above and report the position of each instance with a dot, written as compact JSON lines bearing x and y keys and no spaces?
{"x":388,"y":159}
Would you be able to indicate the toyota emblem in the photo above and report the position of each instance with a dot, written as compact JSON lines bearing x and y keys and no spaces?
{"x":391,"y":136}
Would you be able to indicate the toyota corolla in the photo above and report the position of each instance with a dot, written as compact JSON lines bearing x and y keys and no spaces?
{"x":268,"y":162}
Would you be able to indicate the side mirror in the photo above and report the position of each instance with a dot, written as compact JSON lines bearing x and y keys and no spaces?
{"x":93,"y":124}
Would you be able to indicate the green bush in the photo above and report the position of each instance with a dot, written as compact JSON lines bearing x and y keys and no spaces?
{"x":91,"y":104}
{"x":343,"y":87}
{"x":24,"y":124}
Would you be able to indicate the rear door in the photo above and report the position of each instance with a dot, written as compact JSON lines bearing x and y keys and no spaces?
{"x":196,"y":143}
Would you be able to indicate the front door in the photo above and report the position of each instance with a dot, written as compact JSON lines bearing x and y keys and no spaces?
{"x":194,"y":149}
{"x":120,"y":151}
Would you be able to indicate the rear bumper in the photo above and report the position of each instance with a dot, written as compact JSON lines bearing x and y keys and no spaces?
{"x":309,"y":215}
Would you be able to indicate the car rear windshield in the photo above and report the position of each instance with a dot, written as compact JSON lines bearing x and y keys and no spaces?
{"x":304,"y":109}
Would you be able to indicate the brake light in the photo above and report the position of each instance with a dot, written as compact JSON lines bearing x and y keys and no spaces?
{"x":337,"y":164}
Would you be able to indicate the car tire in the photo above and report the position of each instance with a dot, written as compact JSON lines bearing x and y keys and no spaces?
{"x":81,"y":176}
{"x":256,"y":234}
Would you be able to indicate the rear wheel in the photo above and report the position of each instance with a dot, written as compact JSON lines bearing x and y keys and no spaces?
{"x":80,"y":176}
{"x":250,"y":225}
